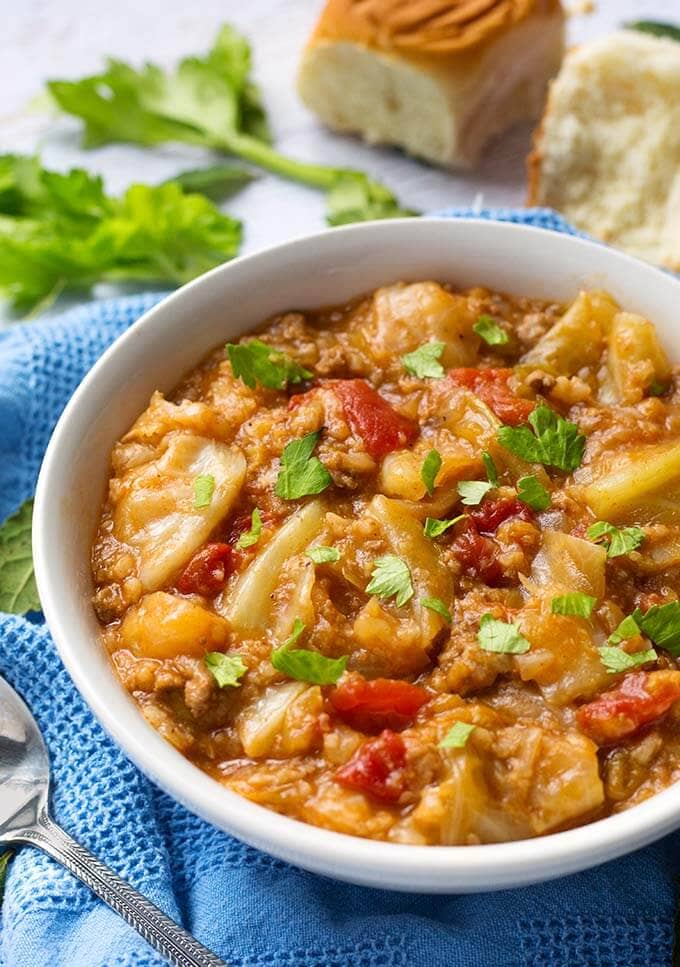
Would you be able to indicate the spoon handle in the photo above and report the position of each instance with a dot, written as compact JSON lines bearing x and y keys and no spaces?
{"x":168,"y":938}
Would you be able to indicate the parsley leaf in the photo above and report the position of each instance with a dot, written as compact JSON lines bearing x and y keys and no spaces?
{"x":423,"y":362}
{"x":472,"y":492}
{"x":256,"y":362}
{"x":501,"y":637}
{"x":432,"y":464}
{"x":531,"y":492}
{"x":490,"y":467}
{"x":457,"y":736}
{"x":209,"y":101}
{"x":304,"y":665}
{"x":620,"y":540}
{"x":389,"y":577}
{"x":301,"y":474}
{"x":628,"y":628}
{"x":216,"y":182}
{"x":225,"y":669}
{"x":577,"y":604}
{"x":488,"y":329}
{"x":661,"y":623}
{"x":61,"y":231}
{"x":555,"y":441}
{"x":18,"y":592}
{"x":617,"y":660}
{"x":323,"y":555}
{"x":438,"y":606}
{"x":656,"y":28}
{"x":252,"y":536}
{"x":204,"y":488}
{"x":435,"y":528}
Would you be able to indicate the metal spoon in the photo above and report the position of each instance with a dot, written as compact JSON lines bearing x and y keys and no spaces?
{"x":24,"y":818}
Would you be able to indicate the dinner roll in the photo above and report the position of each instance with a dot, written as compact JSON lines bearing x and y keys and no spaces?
{"x":438,"y":78}
{"x":607,"y":152}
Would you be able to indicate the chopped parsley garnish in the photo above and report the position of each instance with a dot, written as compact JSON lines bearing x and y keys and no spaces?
{"x":617,"y":660}
{"x":204,"y":488}
{"x":656,"y":388}
{"x":501,"y":636}
{"x":488,"y":329}
{"x":304,"y":665}
{"x":18,"y":591}
{"x":225,"y":669}
{"x":252,"y":536}
{"x":432,"y":464}
{"x":490,"y":467}
{"x":656,"y":28}
{"x":391,"y":578}
{"x":619,"y":540}
{"x":256,"y":362}
{"x":457,"y":736}
{"x":472,"y":492}
{"x":438,"y":606}
{"x":628,"y":628}
{"x":435,"y":527}
{"x":423,"y":362}
{"x":661,"y":623}
{"x":301,"y":474}
{"x":555,"y":441}
{"x":576,"y":604}
{"x":531,"y":492}
{"x":323,"y":555}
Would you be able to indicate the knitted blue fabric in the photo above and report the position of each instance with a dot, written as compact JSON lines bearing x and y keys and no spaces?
{"x":252,"y":910}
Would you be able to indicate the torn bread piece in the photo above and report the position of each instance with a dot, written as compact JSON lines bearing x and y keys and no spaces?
{"x":607,"y":152}
{"x":438,"y":78}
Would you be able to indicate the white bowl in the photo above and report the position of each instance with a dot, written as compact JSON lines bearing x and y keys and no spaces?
{"x":168,"y":341}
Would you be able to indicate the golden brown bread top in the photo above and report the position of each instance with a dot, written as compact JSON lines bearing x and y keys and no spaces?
{"x":424,"y":27}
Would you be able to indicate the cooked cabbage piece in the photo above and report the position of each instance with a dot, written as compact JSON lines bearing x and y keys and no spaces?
{"x":636,"y":485}
{"x":282,"y":722}
{"x":636,"y":361}
{"x":248,"y":604}
{"x":165,"y":625}
{"x":566,"y":563}
{"x":403,"y":317}
{"x":154,"y":510}
{"x":578,"y":338}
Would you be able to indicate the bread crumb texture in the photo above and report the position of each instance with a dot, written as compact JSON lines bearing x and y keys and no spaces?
{"x":607,"y":151}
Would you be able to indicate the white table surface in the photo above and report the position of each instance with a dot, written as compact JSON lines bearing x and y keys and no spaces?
{"x":45,"y":39}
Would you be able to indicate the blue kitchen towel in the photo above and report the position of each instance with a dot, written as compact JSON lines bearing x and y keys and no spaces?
{"x":252,"y":910}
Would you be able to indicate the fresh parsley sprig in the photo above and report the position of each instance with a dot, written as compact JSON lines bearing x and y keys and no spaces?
{"x":391,"y":577}
{"x":619,"y":540}
{"x":488,"y":329}
{"x":457,"y":736}
{"x":438,"y":606}
{"x":256,"y":362}
{"x":301,"y":474}
{"x":432,"y":464}
{"x":502,"y":637}
{"x":251,"y":536}
{"x":531,"y":492}
{"x":576,"y":604}
{"x":212,"y":102}
{"x":618,"y":660}
{"x":323,"y":555}
{"x":424,"y":361}
{"x":435,"y":527}
{"x":204,"y":488}
{"x":305,"y":665}
{"x":225,"y":669}
{"x":554,"y":442}
{"x":473,"y":492}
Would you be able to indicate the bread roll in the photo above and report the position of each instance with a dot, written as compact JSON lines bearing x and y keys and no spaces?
{"x":439,"y":78}
{"x":607,"y":152}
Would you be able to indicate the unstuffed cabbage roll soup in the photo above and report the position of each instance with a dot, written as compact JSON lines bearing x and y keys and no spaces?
{"x":408,"y":568}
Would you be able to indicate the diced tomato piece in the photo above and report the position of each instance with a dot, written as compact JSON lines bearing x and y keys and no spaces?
{"x":378,"y":704}
{"x":372,"y":418}
{"x":640,"y":699}
{"x":478,"y":556}
{"x":491,"y":513}
{"x":491,"y":386}
{"x":207,"y":571}
{"x":378,"y":768}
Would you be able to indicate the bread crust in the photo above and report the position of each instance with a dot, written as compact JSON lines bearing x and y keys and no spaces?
{"x":436,"y":29}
